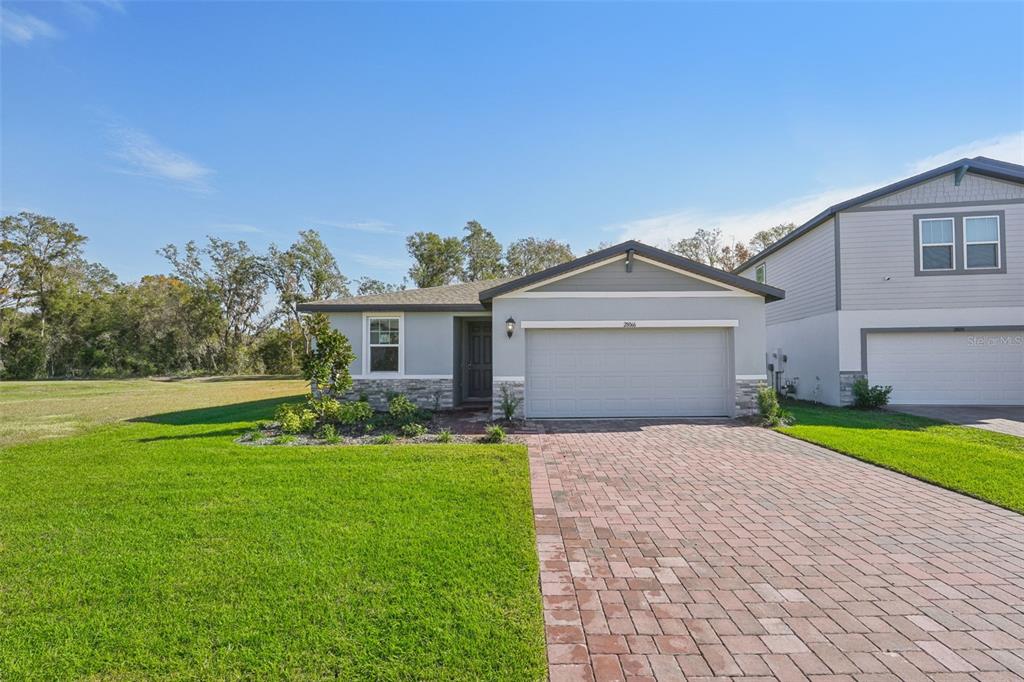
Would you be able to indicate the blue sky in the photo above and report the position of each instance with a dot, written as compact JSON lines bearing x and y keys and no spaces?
{"x":146,"y":123}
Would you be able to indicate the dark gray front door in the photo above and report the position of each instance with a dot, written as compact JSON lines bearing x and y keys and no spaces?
{"x":478,"y":360}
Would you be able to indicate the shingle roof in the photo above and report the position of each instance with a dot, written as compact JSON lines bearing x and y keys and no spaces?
{"x":457,"y":297}
{"x":769,"y":292}
{"x":982,"y":165}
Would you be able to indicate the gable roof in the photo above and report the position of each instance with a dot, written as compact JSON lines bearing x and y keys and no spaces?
{"x":649,"y":252}
{"x":453,"y":297}
{"x":981,"y":165}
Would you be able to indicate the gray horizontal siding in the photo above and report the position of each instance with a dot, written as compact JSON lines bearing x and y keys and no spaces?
{"x":644,"y":277}
{"x":878,"y":245}
{"x":944,"y":189}
{"x":805,"y":268}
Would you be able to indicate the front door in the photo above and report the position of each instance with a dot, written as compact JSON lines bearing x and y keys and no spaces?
{"x":478,"y":360}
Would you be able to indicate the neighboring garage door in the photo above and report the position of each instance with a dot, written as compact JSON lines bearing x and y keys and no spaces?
{"x":948,"y":368}
{"x":627,"y":373}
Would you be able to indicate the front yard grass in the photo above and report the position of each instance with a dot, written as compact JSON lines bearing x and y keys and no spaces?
{"x":31,"y":410}
{"x":165,"y":550}
{"x":983,"y":464}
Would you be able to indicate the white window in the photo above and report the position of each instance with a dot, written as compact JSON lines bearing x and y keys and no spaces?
{"x":937,"y":252}
{"x":385,"y":344}
{"x":759,"y":273}
{"x":981,"y":242}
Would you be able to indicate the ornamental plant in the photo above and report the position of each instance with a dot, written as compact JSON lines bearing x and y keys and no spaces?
{"x":326,"y":363}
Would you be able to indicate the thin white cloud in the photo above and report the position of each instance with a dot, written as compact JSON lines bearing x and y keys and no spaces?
{"x":369,"y":226}
{"x":661,"y":230}
{"x":1003,"y":147}
{"x":22,"y":28}
{"x":379,"y":262}
{"x":88,"y":11}
{"x":238,"y":227}
{"x":142,"y":155}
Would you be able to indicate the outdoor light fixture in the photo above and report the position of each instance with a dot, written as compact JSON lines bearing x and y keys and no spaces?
{"x":510,"y":327}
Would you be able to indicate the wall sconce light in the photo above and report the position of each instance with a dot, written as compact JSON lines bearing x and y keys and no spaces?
{"x":510,"y":327}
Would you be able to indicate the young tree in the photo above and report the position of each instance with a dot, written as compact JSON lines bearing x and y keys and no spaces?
{"x":530,"y":255}
{"x":438,"y":259}
{"x":234,"y":276}
{"x":765,"y":238}
{"x":326,"y":364}
{"x":483,"y":254}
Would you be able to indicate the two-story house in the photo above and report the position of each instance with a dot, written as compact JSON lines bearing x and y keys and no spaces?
{"x":918,"y":285}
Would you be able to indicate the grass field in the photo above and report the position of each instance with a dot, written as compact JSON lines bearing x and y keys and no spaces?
{"x":165,"y":550}
{"x":983,"y":464}
{"x":51,"y":409}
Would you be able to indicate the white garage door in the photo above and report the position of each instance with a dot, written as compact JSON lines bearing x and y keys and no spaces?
{"x":949,"y":368}
{"x":627,"y":373}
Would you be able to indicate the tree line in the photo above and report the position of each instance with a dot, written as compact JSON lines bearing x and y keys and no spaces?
{"x":221,"y":307}
{"x":478,"y":255}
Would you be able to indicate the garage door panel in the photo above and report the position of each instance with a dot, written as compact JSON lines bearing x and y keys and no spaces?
{"x":948,"y":368}
{"x":627,"y":373}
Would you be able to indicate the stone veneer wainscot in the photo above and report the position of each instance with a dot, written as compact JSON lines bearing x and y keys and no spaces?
{"x":427,"y":393}
{"x":746,"y":396}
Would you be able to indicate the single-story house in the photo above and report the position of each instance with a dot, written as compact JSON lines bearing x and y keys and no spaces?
{"x":627,"y":331}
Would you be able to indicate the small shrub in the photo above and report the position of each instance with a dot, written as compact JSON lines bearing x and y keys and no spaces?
{"x":355,"y":412}
{"x":444,"y":436}
{"x":290,"y":422}
{"x":509,"y":403}
{"x":369,"y":427}
{"x":327,"y":409}
{"x":413,"y":429}
{"x":385,"y":439}
{"x":284,"y":439}
{"x":494,"y":434}
{"x":285,"y":409}
{"x":772,"y":413}
{"x":329,"y":433}
{"x":401,"y":409}
{"x":307,"y":421}
{"x":867,"y":397}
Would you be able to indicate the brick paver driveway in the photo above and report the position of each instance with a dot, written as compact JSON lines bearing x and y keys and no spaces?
{"x":672,"y":550}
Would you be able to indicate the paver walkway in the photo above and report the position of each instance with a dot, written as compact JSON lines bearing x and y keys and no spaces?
{"x":687,"y":550}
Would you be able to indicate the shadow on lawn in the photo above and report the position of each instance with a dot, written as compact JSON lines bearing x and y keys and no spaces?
{"x":221,"y":414}
{"x":813,"y":414}
{"x":217,"y":433}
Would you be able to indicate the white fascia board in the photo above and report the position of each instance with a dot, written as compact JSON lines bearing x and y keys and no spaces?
{"x":625,"y":324}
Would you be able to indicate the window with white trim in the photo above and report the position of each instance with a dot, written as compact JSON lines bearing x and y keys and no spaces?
{"x":385,"y":343}
{"x":760,"y":274}
{"x":981,"y":242}
{"x":937,"y":244}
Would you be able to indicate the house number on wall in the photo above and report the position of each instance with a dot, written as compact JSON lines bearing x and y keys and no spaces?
{"x":629,"y":325}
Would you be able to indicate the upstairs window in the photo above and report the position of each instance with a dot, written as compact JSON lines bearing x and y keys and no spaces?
{"x":937,"y":244}
{"x":385,"y":343}
{"x":759,"y":273}
{"x":981,"y":242}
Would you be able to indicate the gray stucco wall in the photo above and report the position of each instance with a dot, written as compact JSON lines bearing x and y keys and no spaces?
{"x":644,"y":277}
{"x":878,"y":264}
{"x":428,"y":343}
{"x":510,"y":354}
{"x":805,"y":269}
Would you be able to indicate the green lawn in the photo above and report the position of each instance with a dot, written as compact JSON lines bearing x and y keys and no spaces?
{"x":164,"y":550}
{"x":983,"y":464}
{"x":32,"y":410}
